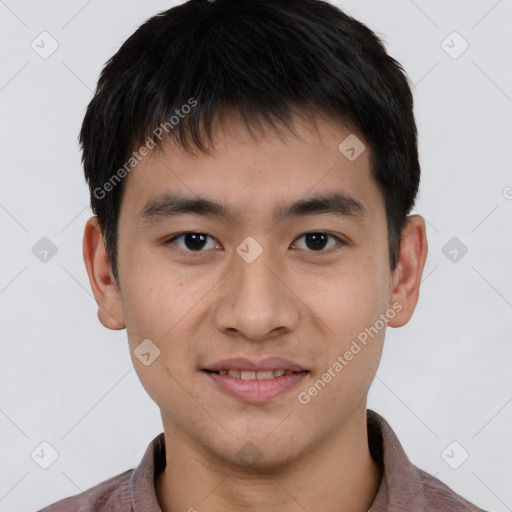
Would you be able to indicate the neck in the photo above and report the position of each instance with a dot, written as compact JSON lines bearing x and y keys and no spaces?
{"x":336,"y":476}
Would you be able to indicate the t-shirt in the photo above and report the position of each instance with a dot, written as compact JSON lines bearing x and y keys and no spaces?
{"x":403,"y":487}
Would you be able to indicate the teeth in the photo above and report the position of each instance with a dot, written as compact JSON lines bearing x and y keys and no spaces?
{"x":252,"y":375}
{"x":269,"y":374}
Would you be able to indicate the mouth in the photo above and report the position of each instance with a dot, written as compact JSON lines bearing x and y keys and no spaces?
{"x":255,"y":375}
{"x":255,"y":382}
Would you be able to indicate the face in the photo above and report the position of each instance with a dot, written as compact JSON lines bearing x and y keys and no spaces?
{"x":258,"y":322}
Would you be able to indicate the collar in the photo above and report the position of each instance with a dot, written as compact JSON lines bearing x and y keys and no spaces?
{"x":400,"y":488}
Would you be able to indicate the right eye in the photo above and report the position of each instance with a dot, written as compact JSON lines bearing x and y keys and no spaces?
{"x":192,"y":241}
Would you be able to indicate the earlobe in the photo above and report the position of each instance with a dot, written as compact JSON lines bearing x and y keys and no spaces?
{"x":407,"y":275}
{"x":103,"y":284}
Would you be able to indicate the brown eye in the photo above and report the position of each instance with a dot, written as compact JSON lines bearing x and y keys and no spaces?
{"x":318,"y":241}
{"x":192,"y":242}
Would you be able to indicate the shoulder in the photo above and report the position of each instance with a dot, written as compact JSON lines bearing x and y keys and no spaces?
{"x":112,"y":495}
{"x":440,"y":498}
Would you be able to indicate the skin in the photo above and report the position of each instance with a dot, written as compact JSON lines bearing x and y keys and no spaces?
{"x":294,"y":301}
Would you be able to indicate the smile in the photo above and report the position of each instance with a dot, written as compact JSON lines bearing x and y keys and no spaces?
{"x":255,"y":375}
{"x":255,"y":386}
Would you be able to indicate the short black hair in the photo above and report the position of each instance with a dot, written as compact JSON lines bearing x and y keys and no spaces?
{"x":264,"y":58}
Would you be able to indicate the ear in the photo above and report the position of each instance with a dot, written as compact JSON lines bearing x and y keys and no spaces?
{"x":103,"y":284}
{"x":406,"y":279}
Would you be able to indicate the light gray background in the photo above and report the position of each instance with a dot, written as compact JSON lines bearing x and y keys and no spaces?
{"x":444,"y":377}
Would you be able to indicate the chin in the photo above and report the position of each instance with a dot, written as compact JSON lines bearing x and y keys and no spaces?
{"x":264,"y":462}
{"x":259,"y":454}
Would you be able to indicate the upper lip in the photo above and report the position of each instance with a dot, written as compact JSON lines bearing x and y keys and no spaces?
{"x":242,"y":363}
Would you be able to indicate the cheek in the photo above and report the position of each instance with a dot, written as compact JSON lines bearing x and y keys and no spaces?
{"x":353,"y":299}
{"x":158,"y":306}
{"x":153,"y":298}
{"x":349,"y":305}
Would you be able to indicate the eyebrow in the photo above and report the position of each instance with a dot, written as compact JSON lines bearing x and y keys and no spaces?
{"x":171,"y":205}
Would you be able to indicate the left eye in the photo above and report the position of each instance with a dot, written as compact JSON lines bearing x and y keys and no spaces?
{"x":194,"y":242}
{"x":318,"y":240}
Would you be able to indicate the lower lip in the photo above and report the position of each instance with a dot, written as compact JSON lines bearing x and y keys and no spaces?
{"x":256,"y":390}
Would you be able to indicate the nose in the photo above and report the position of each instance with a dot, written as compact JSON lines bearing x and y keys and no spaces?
{"x":256,"y":302}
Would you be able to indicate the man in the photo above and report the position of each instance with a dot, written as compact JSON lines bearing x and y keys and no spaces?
{"x":252,"y":166}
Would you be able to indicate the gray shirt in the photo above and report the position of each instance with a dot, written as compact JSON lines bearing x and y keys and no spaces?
{"x":403,"y":488}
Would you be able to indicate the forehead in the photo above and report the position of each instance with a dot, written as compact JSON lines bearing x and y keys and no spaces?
{"x":248,"y":172}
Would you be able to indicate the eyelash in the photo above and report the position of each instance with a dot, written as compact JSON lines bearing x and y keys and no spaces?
{"x":339,"y":240}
